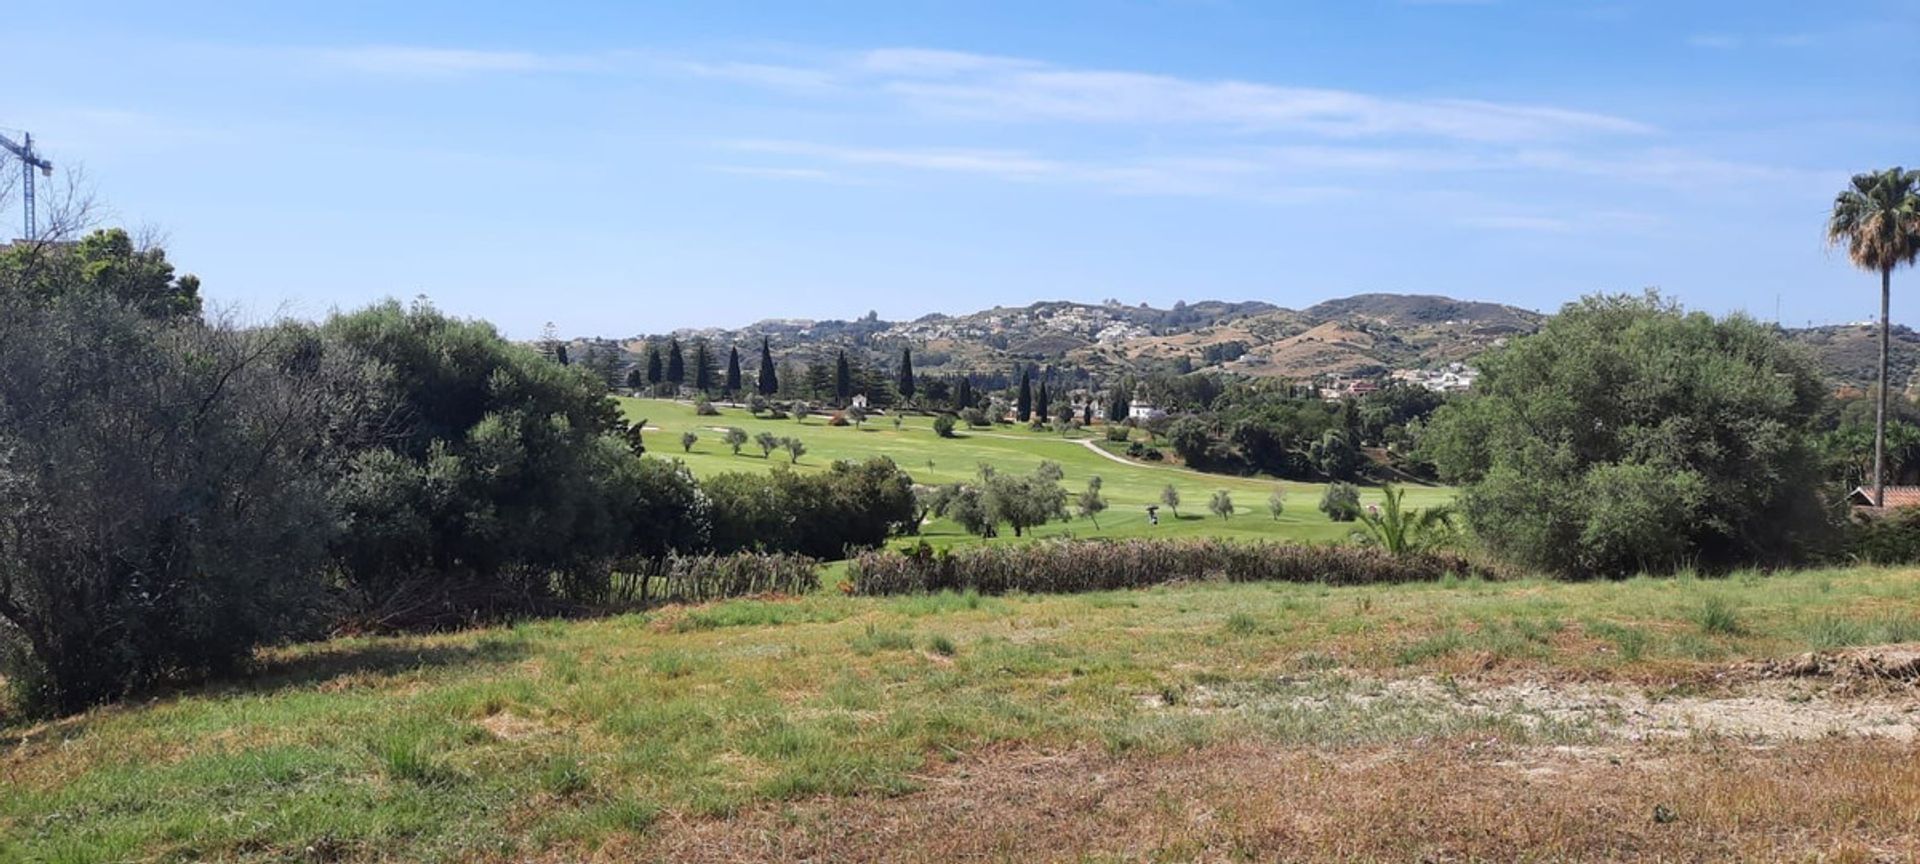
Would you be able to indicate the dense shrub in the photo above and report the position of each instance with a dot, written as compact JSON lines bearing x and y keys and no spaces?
{"x":943,"y":426}
{"x":162,"y":486}
{"x":1341,"y":502}
{"x":1003,"y":499}
{"x":1628,"y":435}
{"x":1893,"y":538}
{"x":851,"y":504}
{"x":1064,"y":566}
{"x":1117,"y":433}
{"x":696,"y":578}
{"x":501,"y":480}
{"x":705,"y":408}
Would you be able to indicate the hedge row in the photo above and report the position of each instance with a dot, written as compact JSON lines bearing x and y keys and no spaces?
{"x":695,"y":578}
{"x":1067,"y":566}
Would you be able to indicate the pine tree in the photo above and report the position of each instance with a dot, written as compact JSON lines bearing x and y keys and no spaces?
{"x":769,"y":382}
{"x":842,"y":379}
{"x":733,"y":371}
{"x":653,"y":364}
{"x":906,"y":373}
{"x":1023,"y":404}
{"x":676,"y":364}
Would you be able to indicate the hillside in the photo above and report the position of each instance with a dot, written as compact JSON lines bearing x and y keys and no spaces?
{"x":1366,"y":334}
{"x":1849,"y":354}
{"x":1361,"y":335}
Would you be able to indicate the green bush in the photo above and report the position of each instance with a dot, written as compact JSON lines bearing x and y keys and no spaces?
{"x":1341,"y":502}
{"x":504,"y":480}
{"x":1629,"y":436}
{"x":1066,"y":566}
{"x":1893,"y":538}
{"x":851,"y":504}
{"x":163,"y":506}
{"x":698,"y":578}
{"x":943,"y":426}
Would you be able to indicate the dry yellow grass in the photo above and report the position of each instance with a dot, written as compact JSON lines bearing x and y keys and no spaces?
{"x":1451,"y":721}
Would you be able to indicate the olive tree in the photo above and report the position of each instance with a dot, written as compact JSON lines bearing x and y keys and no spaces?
{"x":163,"y":505}
{"x":1629,"y":435}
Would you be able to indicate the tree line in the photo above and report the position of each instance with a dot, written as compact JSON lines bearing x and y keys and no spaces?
{"x":176,"y":489}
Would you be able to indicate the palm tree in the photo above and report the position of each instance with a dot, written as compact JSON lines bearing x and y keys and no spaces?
{"x":1403,"y":531}
{"x":1878,"y":218}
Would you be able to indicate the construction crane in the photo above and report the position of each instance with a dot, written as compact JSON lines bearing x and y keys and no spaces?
{"x":29,"y":160}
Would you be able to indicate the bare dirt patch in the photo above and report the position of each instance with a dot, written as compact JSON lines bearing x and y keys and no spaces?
{"x":1887,"y":665}
{"x":508,"y":726}
{"x":1448,"y":800}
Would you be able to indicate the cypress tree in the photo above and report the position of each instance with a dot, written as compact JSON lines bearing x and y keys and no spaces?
{"x":676,"y":364}
{"x":1119,"y":404}
{"x":634,"y":379}
{"x":653,"y":364}
{"x":963,"y":393}
{"x":769,"y":382}
{"x":1041,"y":405}
{"x":702,"y":366}
{"x":1023,"y":404}
{"x":733,"y":371}
{"x":560,"y":354}
{"x":906,"y":373}
{"x":842,"y":378}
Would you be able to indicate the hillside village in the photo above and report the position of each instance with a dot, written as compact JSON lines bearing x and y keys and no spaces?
{"x":1421,"y":340}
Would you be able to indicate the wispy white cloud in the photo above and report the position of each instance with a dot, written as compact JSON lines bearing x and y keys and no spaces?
{"x":1732,"y":41}
{"x":767,"y":75}
{"x":1029,"y":121}
{"x":427,"y":62}
{"x":1540,"y":224}
{"x":998,"y":163}
{"x":1196,"y":176}
{"x":1577,"y":223}
{"x":1014,"y":90}
{"x":782,"y":173}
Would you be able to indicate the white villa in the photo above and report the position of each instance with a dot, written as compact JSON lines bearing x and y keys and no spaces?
{"x":1138,"y":410}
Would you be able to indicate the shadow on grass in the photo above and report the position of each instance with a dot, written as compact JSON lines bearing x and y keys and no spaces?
{"x":307,"y":669}
{"x":386,"y":657}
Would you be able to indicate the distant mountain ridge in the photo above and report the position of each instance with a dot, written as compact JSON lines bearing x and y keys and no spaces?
{"x":1361,"y":335}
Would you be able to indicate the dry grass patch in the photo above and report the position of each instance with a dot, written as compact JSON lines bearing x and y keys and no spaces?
{"x":1450,"y":800}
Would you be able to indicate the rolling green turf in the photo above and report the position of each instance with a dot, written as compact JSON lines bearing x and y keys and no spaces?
{"x":1128,"y":487}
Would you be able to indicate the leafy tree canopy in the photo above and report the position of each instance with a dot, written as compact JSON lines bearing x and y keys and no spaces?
{"x":1630,"y":435}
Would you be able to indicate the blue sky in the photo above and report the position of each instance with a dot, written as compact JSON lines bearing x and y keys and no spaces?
{"x":631,"y":167}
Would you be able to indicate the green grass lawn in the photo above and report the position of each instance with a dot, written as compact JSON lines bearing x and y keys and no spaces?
{"x":933,"y":460}
{"x":550,"y":740}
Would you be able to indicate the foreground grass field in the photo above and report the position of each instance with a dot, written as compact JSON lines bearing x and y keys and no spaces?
{"x":1129,"y":485}
{"x":1451,"y":721}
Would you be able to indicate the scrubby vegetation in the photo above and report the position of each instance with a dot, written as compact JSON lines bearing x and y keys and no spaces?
{"x":1079,"y":566}
{"x":1629,"y":435}
{"x":696,"y":578}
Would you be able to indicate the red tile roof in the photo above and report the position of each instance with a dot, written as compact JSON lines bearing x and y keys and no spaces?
{"x":1897,"y":496}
